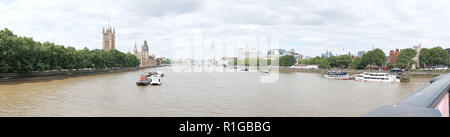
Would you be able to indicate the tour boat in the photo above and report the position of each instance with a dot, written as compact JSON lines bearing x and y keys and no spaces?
{"x":378,"y":77}
{"x":359,"y":77}
{"x":144,"y":80}
{"x":337,"y":75}
{"x":155,"y":80}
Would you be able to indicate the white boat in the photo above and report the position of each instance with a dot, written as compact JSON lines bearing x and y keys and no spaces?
{"x":337,"y":75}
{"x":155,"y":80}
{"x":265,"y":71}
{"x":377,"y":77}
{"x":359,"y":77}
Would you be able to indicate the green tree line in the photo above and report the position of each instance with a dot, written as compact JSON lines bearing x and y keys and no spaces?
{"x":427,"y":58}
{"x":166,"y":61}
{"x":342,"y":61}
{"x":433,"y":57}
{"x":23,"y":54}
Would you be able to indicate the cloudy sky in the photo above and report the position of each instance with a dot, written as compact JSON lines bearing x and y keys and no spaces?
{"x":173,"y":27}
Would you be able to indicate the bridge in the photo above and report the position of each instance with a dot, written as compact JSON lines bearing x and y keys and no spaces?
{"x":430,"y":101}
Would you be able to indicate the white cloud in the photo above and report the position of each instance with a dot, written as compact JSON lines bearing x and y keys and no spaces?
{"x":311,"y":39}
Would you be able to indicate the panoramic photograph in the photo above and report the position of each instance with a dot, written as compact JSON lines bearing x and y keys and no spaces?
{"x":224,"y":58}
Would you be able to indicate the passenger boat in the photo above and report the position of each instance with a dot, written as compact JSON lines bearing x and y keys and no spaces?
{"x":342,"y":75}
{"x":155,"y":80}
{"x":377,"y":77}
{"x":359,"y":77}
{"x":144,"y":80}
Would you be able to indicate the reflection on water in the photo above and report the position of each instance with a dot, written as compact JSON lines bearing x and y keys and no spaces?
{"x":200,"y":94}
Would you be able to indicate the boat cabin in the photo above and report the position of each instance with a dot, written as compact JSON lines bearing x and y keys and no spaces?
{"x":336,"y":73}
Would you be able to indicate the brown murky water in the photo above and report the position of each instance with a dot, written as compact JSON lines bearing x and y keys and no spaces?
{"x":200,"y":94}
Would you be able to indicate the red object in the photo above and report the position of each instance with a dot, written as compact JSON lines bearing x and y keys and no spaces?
{"x":143,"y":78}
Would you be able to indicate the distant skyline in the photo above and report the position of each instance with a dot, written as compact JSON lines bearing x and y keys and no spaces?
{"x":309,"y":26}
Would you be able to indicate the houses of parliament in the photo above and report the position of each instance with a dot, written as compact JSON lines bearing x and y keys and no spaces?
{"x":109,"y":38}
{"x":146,"y":59}
{"x":109,"y":43}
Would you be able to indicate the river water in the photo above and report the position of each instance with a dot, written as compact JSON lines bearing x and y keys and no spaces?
{"x":200,"y":94}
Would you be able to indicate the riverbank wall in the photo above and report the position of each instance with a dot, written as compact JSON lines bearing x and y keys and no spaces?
{"x":13,"y":77}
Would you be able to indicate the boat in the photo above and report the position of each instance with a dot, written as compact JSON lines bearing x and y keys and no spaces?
{"x":155,"y":80}
{"x":396,"y":71}
{"x":341,"y":75}
{"x":265,"y":71}
{"x":377,"y":77}
{"x":144,"y":80}
{"x":359,"y":77}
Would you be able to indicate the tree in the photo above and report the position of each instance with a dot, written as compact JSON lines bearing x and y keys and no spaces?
{"x":166,"y":61}
{"x":373,"y":57}
{"x":300,"y":61}
{"x":323,"y":63}
{"x":333,"y":60}
{"x":235,"y":62}
{"x":433,"y":57}
{"x":70,"y":58}
{"x":268,"y":61}
{"x":357,"y":63}
{"x":342,"y":61}
{"x":287,"y":60}
{"x":405,"y":58}
{"x":424,"y":57}
{"x":312,"y":61}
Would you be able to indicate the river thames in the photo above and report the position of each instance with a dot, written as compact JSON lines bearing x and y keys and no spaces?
{"x":200,"y":94}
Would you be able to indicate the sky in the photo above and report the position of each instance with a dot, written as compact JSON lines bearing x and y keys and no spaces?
{"x":178,"y":28}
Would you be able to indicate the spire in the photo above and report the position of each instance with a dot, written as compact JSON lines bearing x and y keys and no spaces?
{"x":109,"y":26}
{"x":373,"y":45}
{"x":135,"y":49}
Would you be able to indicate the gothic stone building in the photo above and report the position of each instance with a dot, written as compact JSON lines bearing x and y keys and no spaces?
{"x":143,"y":56}
{"x":109,"y":39}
